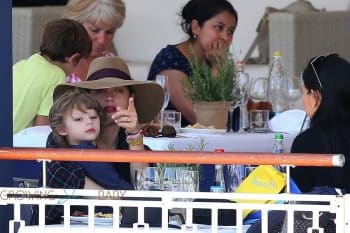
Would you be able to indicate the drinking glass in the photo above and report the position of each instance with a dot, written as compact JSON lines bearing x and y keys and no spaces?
{"x":148,"y":178}
{"x":243,"y":87}
{"x":173,"y":118}
{"x":169,"y":180}
{"x":241,"y":91}
{"x":235,"y":176}
{"x":188,"y":181}
{"x":259,"y":121}
{"x":243,"y":82}
{"x":293,"y":89}
{"x":163,"y":81}
{"x":258,"y":89}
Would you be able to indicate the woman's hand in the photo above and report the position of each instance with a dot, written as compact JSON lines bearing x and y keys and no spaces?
{"x":215,"y":52}
{"x":127,"y":119}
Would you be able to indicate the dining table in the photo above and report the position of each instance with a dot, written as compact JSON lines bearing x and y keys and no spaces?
{"x":228,"y":141}
{"x":186,"y":140}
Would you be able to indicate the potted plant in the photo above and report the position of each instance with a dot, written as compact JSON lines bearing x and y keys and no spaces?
{"x":211,"y":94}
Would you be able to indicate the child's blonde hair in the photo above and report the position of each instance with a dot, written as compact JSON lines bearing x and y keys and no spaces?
{"x":71,"y":99}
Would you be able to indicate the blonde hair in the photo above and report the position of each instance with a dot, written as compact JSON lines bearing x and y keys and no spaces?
{"x":96,"y":11}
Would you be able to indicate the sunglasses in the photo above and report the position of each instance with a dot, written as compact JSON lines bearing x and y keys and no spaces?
{"x":150,"y":130}
{"x":319,"y":59}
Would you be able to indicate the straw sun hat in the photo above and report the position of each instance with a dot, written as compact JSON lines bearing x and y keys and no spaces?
{"x":108,"y":72}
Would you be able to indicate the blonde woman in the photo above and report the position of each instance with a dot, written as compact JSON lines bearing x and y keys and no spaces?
{"x":101,"y":19}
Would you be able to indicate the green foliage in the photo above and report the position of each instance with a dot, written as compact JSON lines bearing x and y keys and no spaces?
{"x":202,"y":85}
{"x":200,"y":146}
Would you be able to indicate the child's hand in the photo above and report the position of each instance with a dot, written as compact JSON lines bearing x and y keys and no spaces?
{"x":127,"y":119}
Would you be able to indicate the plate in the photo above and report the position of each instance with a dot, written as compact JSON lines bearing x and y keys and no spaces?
{"x":202,"y":131}
{"x":98,"y":221}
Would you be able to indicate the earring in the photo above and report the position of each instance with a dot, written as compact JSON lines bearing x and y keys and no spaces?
{"x":194,"y":36}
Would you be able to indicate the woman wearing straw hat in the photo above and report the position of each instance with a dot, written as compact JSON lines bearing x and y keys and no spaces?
{"x":126,"y":103}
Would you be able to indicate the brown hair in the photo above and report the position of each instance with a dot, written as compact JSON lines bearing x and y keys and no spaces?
{"x":64,"y":37}
{"x":78,"y":98}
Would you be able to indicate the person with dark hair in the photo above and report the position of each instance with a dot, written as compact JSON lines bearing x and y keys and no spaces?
{"x":210,"y":26}
{"x":326,"y":100}
{"x":64,"y":43}
{"x":126,"y":104}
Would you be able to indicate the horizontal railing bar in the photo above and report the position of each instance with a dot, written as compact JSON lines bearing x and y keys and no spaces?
{"x":46,"y":193}
{"x":300,"y":159}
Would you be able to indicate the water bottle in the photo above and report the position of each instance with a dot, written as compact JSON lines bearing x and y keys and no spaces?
{"x":219,"y":183}
{"x":276,"y":93}
{"x":242,"y":79}
{"x":219,"y":176}
{"x":278,"y":148}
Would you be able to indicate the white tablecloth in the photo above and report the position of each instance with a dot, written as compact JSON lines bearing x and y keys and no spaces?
{"x":230,"y":142}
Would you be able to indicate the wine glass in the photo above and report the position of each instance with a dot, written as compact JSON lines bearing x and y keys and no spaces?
{"x":293,"y":89}
{"x":258,"y":89}
{"x":148,"y":178}
{"x":163,"y":81}
{"x":243,"y":82}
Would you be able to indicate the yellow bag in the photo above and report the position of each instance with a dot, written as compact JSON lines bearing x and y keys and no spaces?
{"x":263,"y":179}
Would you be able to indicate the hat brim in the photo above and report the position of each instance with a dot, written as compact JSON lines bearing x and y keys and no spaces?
{"x":148,"y":94}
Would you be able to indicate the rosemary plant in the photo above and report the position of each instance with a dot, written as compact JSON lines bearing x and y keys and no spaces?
{"x":200,"y":146}
{"x":202,"y":85}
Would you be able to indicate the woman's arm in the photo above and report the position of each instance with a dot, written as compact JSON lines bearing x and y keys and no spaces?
{"x":177,"y":94}
{"x":104,"y":175}
{"x":138,"y":138}
{"x":41,"y":120}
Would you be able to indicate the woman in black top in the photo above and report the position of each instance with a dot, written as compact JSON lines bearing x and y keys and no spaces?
{"x":326,"y":100}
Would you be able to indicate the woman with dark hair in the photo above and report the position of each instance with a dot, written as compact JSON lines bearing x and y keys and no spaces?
{"x":326,"y":100}
{"x":210,"y":26}
{"x":126,"y":104}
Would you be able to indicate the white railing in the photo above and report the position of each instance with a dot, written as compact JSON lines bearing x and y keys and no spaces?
{"x":170,"y":201}
{"x":167,"y":201}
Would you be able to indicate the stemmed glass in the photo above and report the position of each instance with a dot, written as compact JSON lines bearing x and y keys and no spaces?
{"x":148,"y":178}
{"x":163,"y":81}
{"x":258,"y":89}
{"x":293,"y":89}
{"x":243,"y":82}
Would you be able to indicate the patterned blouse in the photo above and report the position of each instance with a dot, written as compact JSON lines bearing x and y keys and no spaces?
{"x":170,"y":58}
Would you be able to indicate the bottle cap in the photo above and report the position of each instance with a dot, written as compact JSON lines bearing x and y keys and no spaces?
{"x":278,"y":136}
{"x":217,"y":189}
{"x":277,"y":53}
{"x":240,"y":65}
{"x":219,"y":150}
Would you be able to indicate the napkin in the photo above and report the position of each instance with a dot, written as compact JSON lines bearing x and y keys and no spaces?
{"x":32,"y":137}
{"x":289,"y":121}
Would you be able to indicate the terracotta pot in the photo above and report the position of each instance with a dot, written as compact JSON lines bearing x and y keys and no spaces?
{"x":212,"y":113}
